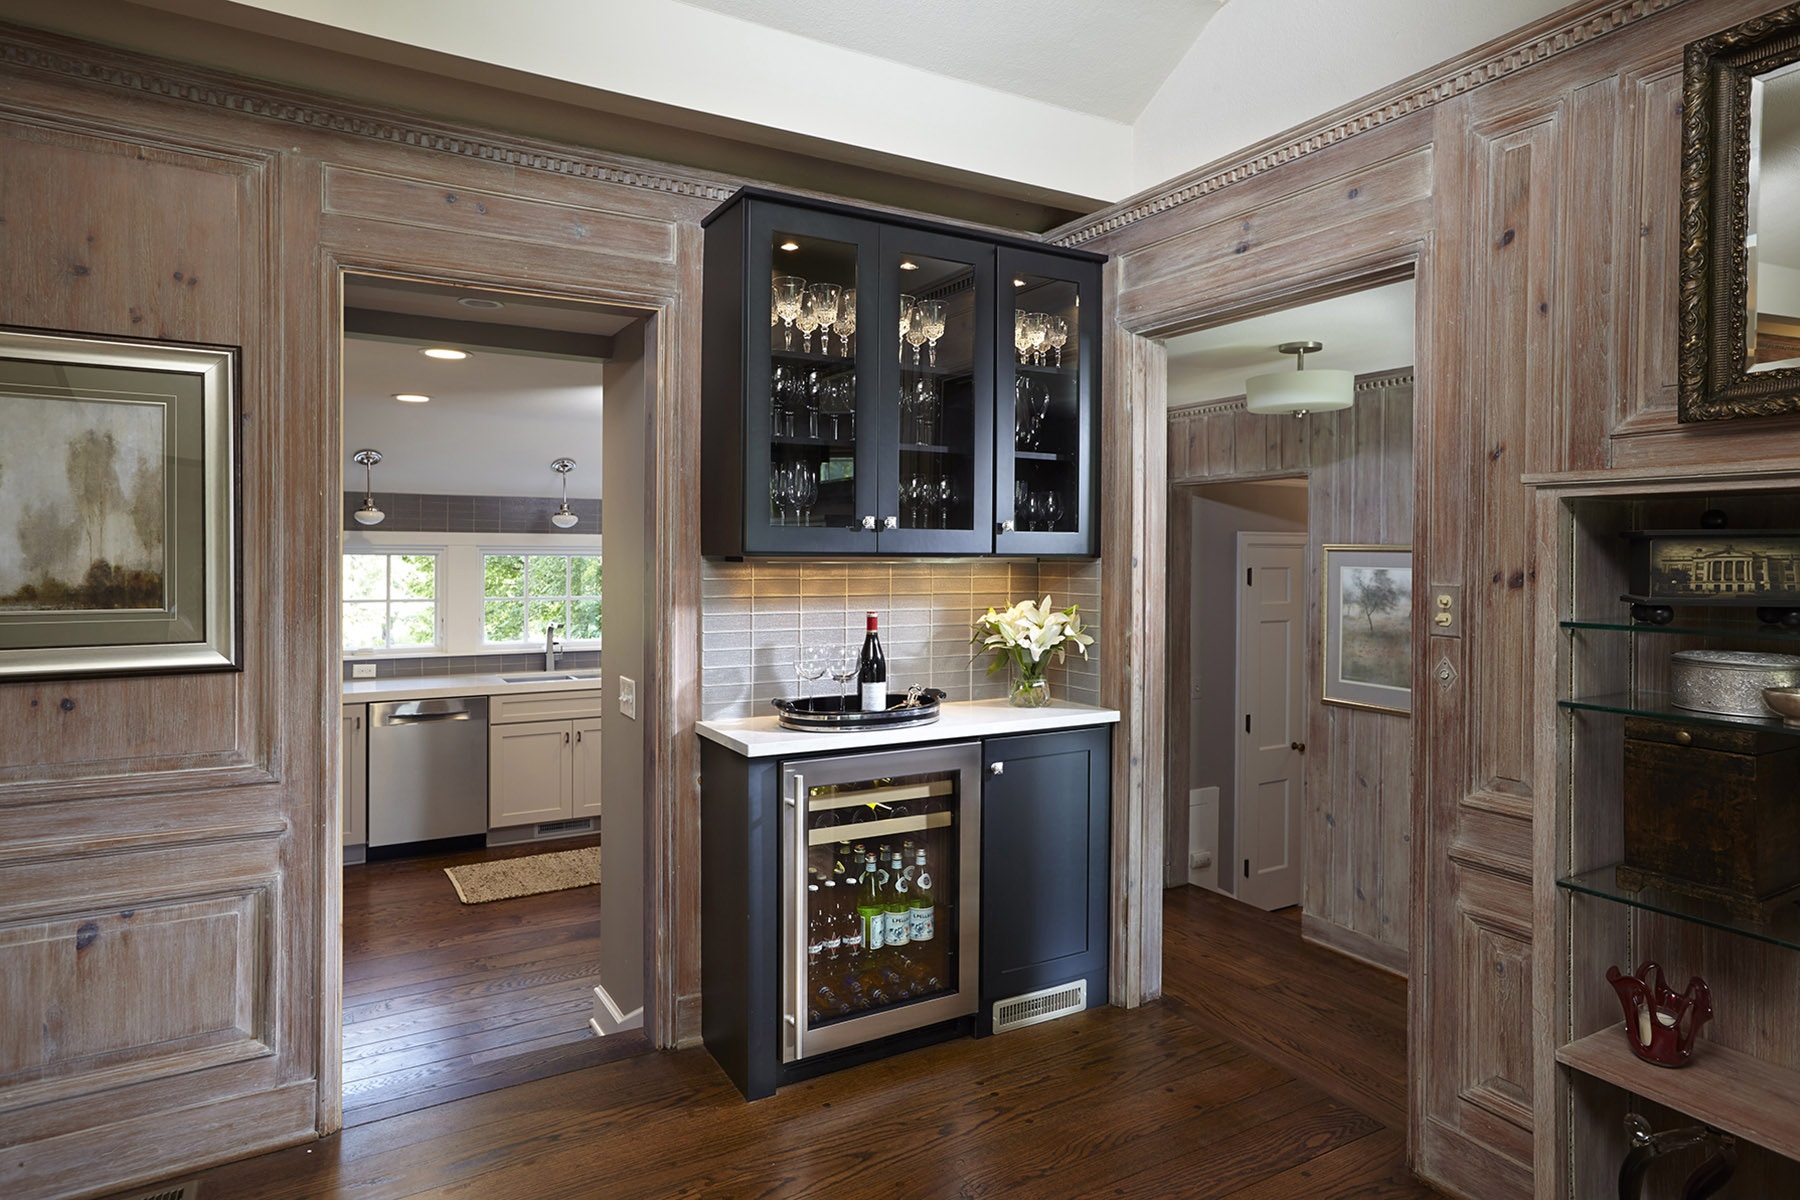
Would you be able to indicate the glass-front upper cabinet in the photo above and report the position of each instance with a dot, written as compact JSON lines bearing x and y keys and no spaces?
{"x":935,"y":403}
{"x":1045,"y":407}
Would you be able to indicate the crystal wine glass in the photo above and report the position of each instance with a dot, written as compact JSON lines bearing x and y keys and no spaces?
{"x":914,"y":333}
{"x":1035,"y":324}
{"x":907,"y":303}
{"x":788,"y":289}
{"x":825,"y":298}
{"x":933,"y":314}
{"x":1057,"y":334}
{"x":807,"y":320}
{"x":1021,"y":339}
{"x":845,"y":325}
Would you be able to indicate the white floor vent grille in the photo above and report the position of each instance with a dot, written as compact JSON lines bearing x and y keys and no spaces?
{"x":181,"y":1191}
{"x":1035,"y":1007}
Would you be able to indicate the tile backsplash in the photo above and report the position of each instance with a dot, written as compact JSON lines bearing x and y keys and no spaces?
{"x":755,"y":613}
{"x":473,"y":664}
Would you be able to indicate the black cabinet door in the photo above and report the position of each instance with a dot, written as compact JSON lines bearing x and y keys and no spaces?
{"x":1046,"y":404}
{"x":935,"y":399}
{"x":1045,"y":864}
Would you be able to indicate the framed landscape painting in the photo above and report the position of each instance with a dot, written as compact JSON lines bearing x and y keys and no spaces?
{"x":118,"y":507}
{"x":1368,"y":627}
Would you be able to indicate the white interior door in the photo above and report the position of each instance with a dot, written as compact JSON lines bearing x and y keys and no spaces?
{"x":1271,"y":740}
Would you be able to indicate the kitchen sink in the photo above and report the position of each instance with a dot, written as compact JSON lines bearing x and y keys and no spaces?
{"x":551,"y":677}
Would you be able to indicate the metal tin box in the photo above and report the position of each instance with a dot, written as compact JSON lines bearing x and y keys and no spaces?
{"x":1730,"y":681}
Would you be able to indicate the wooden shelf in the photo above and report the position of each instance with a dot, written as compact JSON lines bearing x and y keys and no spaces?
{"x":1735,"y":1092}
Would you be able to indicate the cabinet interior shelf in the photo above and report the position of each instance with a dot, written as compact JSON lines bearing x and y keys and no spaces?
{"x":1782,"y":929}
{"x":1040,"y":456}
{"x":782,"y":439}
{"x":928,"y":448}
{"x":1046,"y":369}
{"x":1689,"y":627}
{"x":1658,"y":705}
{"x":1740,"y":1094}
{"x":810,"y":358}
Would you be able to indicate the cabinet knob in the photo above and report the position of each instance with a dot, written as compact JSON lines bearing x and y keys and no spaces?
{"x":890,"y":522}
{"x":1683,"y":738}
{"x":1300,"y":746}
{"x":998,"y":768}
{"x":868,"y":523}
{"x":1007,"y":526}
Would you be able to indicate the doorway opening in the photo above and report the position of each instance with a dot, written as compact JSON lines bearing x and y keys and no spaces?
{"x":482,"y":539}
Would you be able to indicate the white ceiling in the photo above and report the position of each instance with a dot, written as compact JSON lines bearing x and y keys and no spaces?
{"x":1363,"y":332}
{"x":1105,"y":60}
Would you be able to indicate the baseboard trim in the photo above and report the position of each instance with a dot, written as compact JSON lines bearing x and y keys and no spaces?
{"x":607,"y":1018}
{"x":1360,"y":946}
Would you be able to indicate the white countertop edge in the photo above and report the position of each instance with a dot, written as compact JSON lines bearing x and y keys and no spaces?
{"x":763,"y":737}
{"x":363,"y":691}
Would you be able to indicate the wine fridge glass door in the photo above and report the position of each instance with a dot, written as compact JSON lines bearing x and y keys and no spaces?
{"x":879,"y":885}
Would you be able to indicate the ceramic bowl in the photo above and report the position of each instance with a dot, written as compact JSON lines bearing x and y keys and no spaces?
{"x":1786,"y":701}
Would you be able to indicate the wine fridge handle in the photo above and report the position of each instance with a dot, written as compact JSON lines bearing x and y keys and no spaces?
{"x":796,"y":935}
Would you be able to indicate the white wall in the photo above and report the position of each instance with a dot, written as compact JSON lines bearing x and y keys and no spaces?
{"x":1260,"y":67}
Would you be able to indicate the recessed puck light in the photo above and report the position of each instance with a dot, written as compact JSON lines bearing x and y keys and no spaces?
{"x":478,"y":302}
{"x":908,"y":266}
{"x":411,"y":398}
{"x":444,"y":352}
{"x":790,"y":245}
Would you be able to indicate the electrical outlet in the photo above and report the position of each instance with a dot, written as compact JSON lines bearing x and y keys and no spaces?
{"x":628,"y":697}
{"x":362,"y":670}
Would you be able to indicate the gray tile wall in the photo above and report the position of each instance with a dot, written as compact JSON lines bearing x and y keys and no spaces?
{"x":415,"y":512}
{"x":754,"y":615}
{"x":474,"y":664}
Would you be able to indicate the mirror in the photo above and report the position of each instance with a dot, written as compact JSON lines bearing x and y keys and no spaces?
{"x":1740,"y":228}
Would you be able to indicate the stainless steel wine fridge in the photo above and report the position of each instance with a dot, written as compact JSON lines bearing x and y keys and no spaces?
{"x":880,"y":864}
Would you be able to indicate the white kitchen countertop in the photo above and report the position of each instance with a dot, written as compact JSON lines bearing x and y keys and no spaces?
{"x":359,"y":691}
{"x":763,"y":737}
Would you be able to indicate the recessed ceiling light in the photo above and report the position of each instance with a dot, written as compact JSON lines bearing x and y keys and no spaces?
{"x":411,"y":398}
{"x":908,"y":266}
{"x":1018,"y":283}
{"x":790,"y":245}
{"x":444,"y":352}
{"x":478,"y":302}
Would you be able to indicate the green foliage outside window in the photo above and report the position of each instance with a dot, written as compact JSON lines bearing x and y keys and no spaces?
{"x":523,"y":593}
{"x":390,"y":600}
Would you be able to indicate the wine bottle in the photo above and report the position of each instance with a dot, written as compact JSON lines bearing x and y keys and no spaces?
{"x":871,"y":671}
{"x":924,"y":903}
{"x":871,"y":910}
{"x":899,"y":906}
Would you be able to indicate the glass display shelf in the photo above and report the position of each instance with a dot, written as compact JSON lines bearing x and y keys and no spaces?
{"x":1727,"y":628}
{"x":1067,"y":369}
{"x":1042,"y":456}
{"x":1658,"y":705}
{"x":1781,"y":929}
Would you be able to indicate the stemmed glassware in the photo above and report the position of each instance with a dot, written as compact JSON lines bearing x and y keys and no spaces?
{"x":907,"y":305}
{"x":787,"y":291}
{"x":845,"y":325}
{"x":914,"y":331}
{"x":808,"y":320}
{"x":946,"y":497}
{"x":809,"y":664}
{"x":932,"y":318}
{"x":842,"y":665}
{"x":823,"y":298}
{"x":1058,"y":336}
{"x":806,"y":492}
{"x":1052,"y":505}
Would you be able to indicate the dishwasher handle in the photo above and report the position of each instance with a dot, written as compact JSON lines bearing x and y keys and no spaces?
{"x":441,"y":708}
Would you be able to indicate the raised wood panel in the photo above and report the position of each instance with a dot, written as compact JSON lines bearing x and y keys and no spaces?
{"x":1587,"y":297}
{"x":1652,"y":250}
{"x":1495,"y":1073}
{"x":433,"y":204}
{"x":128,"y":995}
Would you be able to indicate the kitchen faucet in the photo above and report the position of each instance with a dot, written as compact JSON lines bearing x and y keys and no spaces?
{"x":551,"y":646}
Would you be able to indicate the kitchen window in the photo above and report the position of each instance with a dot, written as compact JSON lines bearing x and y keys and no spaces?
{"x":390,"y":601}
{"x":523,"y":593}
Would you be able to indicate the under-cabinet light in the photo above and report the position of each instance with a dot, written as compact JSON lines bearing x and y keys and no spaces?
{"x":411,"y":398}
{"x":444,"y":352}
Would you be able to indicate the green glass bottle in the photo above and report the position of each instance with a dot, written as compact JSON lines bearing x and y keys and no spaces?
{"x":871,"y":909}
{"x":898,"y":906}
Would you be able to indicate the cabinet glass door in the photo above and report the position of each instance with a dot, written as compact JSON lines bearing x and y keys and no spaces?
{"x":807,"y":459}
{"x":935,"y":401}
{"x":1044,"y":494}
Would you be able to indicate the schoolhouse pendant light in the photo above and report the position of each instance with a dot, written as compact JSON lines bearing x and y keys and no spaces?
{"x":1299,"y":391}
{"x":368,"y":514}
{"x":562,"y":518}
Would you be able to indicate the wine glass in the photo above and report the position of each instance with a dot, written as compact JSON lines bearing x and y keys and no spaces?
{"x":1035,"y":332}
{"x":806,"y":492}
{"x":946,"y":498}
{"x":1052,"y":509}
{"x":914,"y":332}
{"x":778,"y":489}
{"x":825,"y":298}
{"x":932,"y":314}
{"x":842,"y":665}
{"x":845,"y":325}
{"x":1021,"y":339}
{"x":907,"y":304}
{"x":1034,"y":509}
{"x":807,"y":320}
{"x":1039,"y":401}
{"x":809,"y":664}
{"x":787,"y":290}
{"x":1057,"y":334}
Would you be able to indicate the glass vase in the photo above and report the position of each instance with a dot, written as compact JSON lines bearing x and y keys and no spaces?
{"x":1029,"y":689}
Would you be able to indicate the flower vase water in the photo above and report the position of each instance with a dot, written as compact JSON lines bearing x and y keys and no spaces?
{"x":1025,"y":637}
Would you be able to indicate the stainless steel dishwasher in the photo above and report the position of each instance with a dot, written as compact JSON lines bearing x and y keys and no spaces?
{"x":428,"y":769}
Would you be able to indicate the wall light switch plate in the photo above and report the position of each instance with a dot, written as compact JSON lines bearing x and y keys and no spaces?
{"x":628,"y":697}
{"x":362,"y":670}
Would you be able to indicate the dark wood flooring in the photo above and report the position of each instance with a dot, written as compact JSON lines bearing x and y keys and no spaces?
{"x":444,"y":999}
{"x":1270,"y":1069}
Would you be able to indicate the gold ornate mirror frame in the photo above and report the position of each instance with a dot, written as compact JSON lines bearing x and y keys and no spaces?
{"x":1715,"y":383}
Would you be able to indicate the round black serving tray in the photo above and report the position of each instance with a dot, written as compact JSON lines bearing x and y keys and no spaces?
{"x":822,"y":714}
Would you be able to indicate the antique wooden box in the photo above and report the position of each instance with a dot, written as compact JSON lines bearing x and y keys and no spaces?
{"x":1712,"y":812}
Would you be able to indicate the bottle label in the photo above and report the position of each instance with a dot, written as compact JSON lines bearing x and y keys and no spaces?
{"x":874,"y":930}
{"x":921,"y":925}
{"x":896,"y":931}
{"x":852,"y":939}
{"x":874,"y":697}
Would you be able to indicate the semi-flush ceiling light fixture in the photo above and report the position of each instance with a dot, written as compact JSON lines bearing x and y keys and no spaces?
{"x":1299,"y":391}
{"x":562,"y":518}
{"x":444,"y":352}
{"x":368,"y":514}
{"x":412,"y":398}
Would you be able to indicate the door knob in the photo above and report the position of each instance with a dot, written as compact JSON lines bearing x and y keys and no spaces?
{"x":868,"y":523}
{"x":998,"y":768}
{"x":890,"y":522}
{"x":1300,"y":746}
{"x":1006,"y":526}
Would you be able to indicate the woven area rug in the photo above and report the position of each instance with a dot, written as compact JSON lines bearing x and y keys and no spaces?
{"x":478,"y":883}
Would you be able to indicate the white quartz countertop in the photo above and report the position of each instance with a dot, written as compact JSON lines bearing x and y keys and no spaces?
{"x":763,"y":737}
{"x":359,"y":691}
